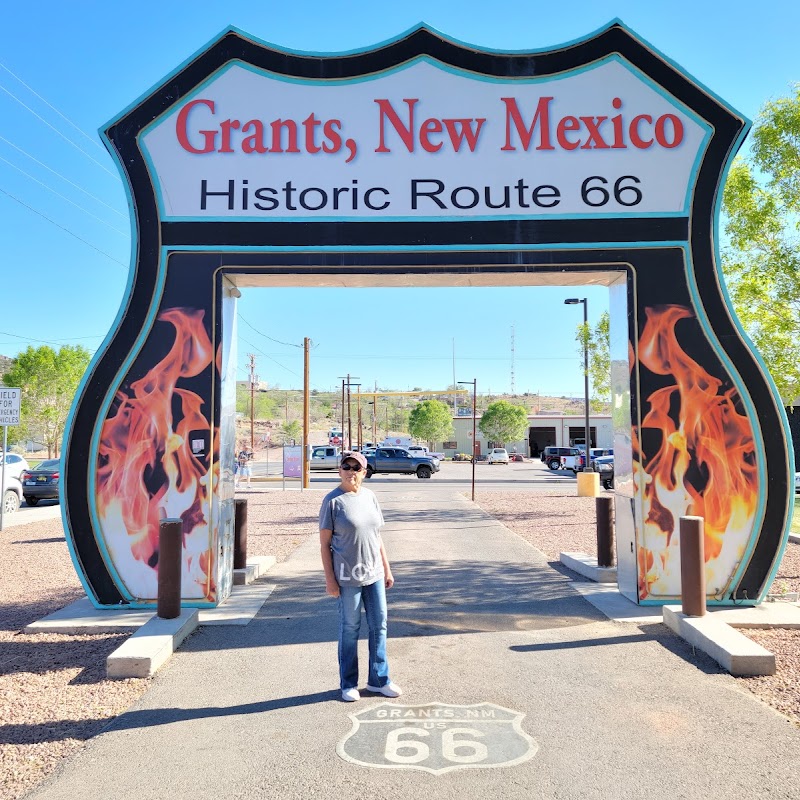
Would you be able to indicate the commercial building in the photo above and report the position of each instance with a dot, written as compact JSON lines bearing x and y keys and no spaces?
{"x":543,"y":430}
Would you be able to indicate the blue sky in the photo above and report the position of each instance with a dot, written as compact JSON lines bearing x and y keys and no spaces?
{"x":68,"y":68}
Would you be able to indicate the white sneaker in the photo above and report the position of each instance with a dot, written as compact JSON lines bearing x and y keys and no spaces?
{"x":389,"y":690}
{"x":350,"y":695}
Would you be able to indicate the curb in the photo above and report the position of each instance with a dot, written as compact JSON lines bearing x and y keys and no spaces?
{"x":144,"y":653}
{"x":587,"y":566}
{"x":730,"y":649}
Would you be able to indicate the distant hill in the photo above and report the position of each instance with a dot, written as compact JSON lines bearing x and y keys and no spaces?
{"x":5,"y":365}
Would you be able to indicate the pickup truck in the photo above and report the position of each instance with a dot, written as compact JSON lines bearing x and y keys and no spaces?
{"x":399,"y":460}
{"x":574,"y":461}
{"x":324,"y":458}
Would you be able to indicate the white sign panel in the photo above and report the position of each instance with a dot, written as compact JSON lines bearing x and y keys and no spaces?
{"x":425,"y":142}
{"x":10,"y":400}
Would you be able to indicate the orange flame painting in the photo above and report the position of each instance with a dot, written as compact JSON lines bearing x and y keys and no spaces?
{"x":704,"y":464}
{"x":146,"y":470}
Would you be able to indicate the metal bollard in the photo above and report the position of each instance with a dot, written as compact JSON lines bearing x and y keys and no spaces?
{"x":604,"y":512}
{"x":170,"y":558}
{"x":240,"y":534}
{"x":693,"y":566}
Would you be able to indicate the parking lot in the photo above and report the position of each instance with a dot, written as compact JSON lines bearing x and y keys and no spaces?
{"x":527,"y":475}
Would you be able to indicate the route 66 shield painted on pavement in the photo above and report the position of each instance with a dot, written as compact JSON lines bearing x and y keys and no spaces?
{"x":437,"y":737}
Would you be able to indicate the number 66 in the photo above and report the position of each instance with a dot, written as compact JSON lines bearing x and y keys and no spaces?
{"x":475,"y":751}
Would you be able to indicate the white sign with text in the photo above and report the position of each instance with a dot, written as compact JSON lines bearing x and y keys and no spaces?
{"x":425,"y":141}
{"x":10,"y":401}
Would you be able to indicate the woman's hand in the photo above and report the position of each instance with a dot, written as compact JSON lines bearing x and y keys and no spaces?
{"x":332,"y":587}
{"x":388,"y":579}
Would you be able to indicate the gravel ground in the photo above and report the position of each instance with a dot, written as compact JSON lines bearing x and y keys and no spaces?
{"x":53,"y":691}
{"x":556,"y":524}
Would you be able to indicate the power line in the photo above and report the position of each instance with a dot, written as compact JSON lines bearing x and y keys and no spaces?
{"x":63,"y":177}
{"x":277,"y":341}
{"x":52,"y":127}
{"x":271,"y":359}
{"x":43,"y":216}
{"x":63,"y":197}
{"x":65,"y":118}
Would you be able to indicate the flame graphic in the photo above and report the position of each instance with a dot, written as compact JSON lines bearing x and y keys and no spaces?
{"x":146,"y":470}
{"x":704,"y":465}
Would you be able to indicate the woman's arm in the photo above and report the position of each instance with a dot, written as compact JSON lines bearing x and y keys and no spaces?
{"x":331,"y":586}
{"x":388,"y":578}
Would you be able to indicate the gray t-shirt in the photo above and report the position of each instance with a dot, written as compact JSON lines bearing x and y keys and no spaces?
{"x":355,"y":519}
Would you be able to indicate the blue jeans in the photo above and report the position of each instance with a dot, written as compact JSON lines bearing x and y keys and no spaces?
{"x":373,"y":598}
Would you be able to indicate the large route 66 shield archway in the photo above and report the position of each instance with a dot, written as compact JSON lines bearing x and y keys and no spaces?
{"x":426,"y":162}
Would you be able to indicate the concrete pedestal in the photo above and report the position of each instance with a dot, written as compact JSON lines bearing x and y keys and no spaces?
{"x":588,"y":484}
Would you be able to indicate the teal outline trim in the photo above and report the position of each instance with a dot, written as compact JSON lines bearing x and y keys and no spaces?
{"x":98,"y":355}
{"x":791,"y":465}
{"x":94,"y":444}
{"x":150,"y":605}
{"x":683,"y":72}
{"x":410,"y":32}
{"x":634,"y":71}
{"x":454,"y":218}
{"x":711,"y":337}
{"x":711,"y":602}
{"x":215,"y":248}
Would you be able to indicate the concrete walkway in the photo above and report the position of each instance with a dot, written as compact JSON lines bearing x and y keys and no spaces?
{"x":611,"y":710}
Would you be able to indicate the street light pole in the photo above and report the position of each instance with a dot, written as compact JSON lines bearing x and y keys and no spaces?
{"x":587,"y":466}
{"x":474,"y":410}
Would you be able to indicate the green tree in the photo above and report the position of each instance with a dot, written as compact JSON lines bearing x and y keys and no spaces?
{"x":431,"y":421}
{"x":597,"y":339}
{"x":504,"y":422}
{"x":265,"y":406}
{"x":49,"y":380}
{"x":291,"y":430}
{"x":761,"y":258}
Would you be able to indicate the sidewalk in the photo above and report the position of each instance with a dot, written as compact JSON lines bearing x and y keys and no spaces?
{"x":615,"y":710}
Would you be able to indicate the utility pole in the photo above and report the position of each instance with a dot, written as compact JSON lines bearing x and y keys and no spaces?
{"x":305,"y":466}
{"x":360,"y":433}
{"x":346,"y":382}
{"x":513,"y":387}
{"x":455,"y":396}
{"x":342,"y":442}
{"x":252,"y":365}
{"x":349,"y":418}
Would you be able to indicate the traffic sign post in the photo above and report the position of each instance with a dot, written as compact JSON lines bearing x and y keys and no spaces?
{"x":10,"y":400}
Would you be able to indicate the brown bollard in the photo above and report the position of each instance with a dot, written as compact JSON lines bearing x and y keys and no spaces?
{"x":240,"y":534}
{"x":693,"y":566}
{"x":604,"y":512}
{"x":170,"y":558}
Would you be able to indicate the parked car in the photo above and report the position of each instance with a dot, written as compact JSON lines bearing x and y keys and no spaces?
{"x":14,"y":465}
{"x":552,"y":455}
{"x":797,"y":482}
{"x":516,"y":456}
{"x":398,"y":459}
{"x":42,"y":483}
{"x":498,"y":455}
{"x":12,"y":497}
{"x":605,"y":466}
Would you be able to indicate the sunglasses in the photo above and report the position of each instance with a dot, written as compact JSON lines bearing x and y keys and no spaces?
{"x":349,"y":467}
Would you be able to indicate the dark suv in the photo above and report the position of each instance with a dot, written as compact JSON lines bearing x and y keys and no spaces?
{"x":552,"y":455}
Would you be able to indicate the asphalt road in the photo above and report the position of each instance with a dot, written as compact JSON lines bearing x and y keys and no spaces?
{"x":527,"y":475}
{"x":514,"y":688}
